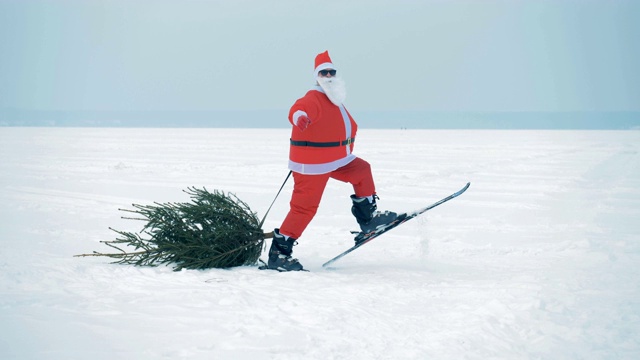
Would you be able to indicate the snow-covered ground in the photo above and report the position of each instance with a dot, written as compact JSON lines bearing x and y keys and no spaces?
{"x":539,"y":259}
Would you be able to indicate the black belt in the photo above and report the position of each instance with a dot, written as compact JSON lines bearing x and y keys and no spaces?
{"x":349,"y":141}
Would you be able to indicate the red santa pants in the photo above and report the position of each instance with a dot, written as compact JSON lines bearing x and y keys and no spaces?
{"x":308,"y":189}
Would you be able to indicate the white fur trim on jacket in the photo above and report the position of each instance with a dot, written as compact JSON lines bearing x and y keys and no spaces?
{"x":317,"y":169}
{"x":296,"y":116}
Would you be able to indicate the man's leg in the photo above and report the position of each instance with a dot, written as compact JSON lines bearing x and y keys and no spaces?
{"x":307,"y":193}
{"x":358,"y":174}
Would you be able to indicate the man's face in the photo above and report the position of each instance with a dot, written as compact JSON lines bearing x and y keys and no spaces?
{"x":332,"y":85}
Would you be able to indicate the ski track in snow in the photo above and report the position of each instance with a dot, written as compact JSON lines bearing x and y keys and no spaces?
{"x":537,"y":260}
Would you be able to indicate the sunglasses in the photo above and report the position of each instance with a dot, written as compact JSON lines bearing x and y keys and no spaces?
{"x":327,"y":72}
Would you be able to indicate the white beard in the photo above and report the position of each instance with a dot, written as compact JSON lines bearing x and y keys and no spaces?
{"x":334,"y":88}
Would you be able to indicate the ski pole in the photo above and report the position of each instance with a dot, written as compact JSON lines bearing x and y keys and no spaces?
{"x":270,"y":234}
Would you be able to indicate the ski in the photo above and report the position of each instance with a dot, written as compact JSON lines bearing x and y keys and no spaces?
{"x":363,"y":238}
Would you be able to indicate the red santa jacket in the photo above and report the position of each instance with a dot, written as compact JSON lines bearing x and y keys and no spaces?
{"x":328,"y":142}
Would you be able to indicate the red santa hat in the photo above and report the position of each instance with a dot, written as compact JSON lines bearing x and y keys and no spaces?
{"x":323,"y":61}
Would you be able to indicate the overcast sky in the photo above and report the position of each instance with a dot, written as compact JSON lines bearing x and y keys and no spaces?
{"x":253,"y":54}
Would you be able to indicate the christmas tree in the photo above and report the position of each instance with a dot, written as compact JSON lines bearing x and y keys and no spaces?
{"x":214,"y":230}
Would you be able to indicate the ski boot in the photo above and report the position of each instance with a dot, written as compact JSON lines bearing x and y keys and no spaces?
{"x":280,"y":254}
{"x":368,"y":218}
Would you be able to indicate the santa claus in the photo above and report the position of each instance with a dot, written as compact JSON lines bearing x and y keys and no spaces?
{"x":321,"y":147}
